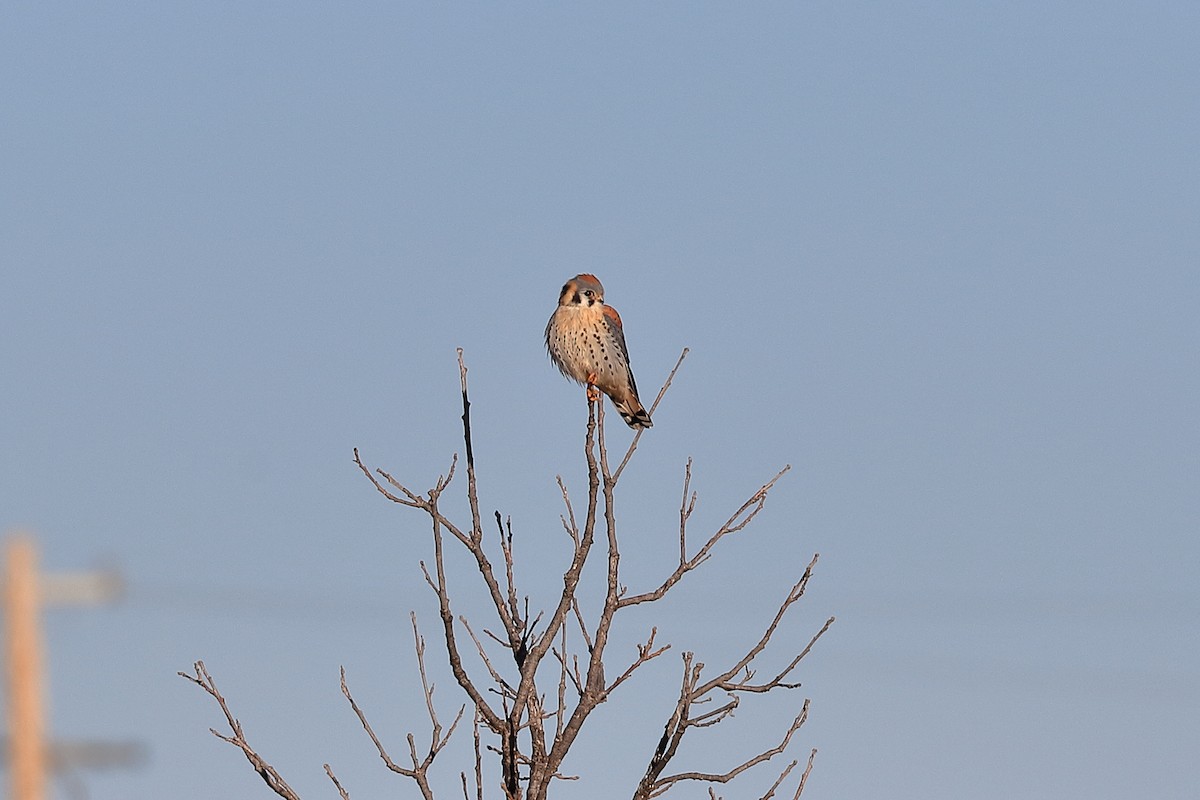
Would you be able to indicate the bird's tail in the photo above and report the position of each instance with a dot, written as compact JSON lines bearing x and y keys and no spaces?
{"x":631,"y":410}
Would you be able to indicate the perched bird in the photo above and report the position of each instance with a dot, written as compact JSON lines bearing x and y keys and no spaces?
{"x":586,"y":343}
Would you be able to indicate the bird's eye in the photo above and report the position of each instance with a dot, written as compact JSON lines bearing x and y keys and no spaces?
{"x":588,"y":292}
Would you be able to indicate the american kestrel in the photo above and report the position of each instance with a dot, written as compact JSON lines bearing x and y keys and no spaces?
{"x":586,"y":343}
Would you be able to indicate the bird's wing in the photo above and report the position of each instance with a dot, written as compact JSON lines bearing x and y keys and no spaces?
{"x":613,"y":320}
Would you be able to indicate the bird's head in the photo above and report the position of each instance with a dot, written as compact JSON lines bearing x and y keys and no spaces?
{"x":583,"y":291}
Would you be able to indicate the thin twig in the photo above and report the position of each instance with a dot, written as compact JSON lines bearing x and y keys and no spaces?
{"x":436,"y":742}
{"x":472,"y":493}
{"x":562,"y":684}
{"x":786,"y":771}
{"x":341,"y":792}
{"x":497,"y":678}
{"x":725,"y":777}
{"x":653,"y":406}
{"x":506,"y":547}
{"x":739,"y":520}
{"x":238,"y":739}
{"x":804,"y":777}
{"x":725,"y":681}
{"x":646,"y":652}
{"x":362,"y":718}
{"x":569,"y":520}
{"x":478,"y":761}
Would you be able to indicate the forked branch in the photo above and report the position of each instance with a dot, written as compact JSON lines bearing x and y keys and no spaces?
{"x":739,"y":520}
{"x":237,"y":738}
{"x":731,"y":683}
{"x":419,"y":771}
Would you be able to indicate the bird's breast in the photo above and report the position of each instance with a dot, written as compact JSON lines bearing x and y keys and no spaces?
{"x":581,"y":344}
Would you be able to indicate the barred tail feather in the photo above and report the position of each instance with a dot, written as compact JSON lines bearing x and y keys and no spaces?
{"x":633,"y":413}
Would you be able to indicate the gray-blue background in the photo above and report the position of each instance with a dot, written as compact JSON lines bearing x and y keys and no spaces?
{"x":943,"y":258}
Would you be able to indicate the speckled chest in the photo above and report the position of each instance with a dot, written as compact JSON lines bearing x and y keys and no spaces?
{"x":581,"y":344}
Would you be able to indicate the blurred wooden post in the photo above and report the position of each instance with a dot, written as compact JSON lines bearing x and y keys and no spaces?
{"x":23,"y":645}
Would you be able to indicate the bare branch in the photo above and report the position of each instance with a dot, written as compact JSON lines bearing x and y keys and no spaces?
{"x":383,"y":754}
{"x":435,"y":742}
{"x":541,"y":774}
{"x":472,"y":493}
{"x":494,"y":720}
{"x":587,"y":640}
{"x":472,"y":542}
{"x":592,"y":687}
{"x":693,"y":692}
{"x":739,"y":520}
{"x":576,"y":680}
{"x":419,"y":771}
{"x":653,"y":406}
{"x":804,"y":777}
{"x":777,"y":681}
{"x":562,"y":683}
{"x":710,"y":718}
{"x":341,"y":792}
{"x":238,"y":739}
{"x":478,"y":760}
{"x":506,"y":547}
{"x":425,"y":571}
{"x":537,"y":716}
{"x":724,"y":680}
{"x":569,"y":520}
{"x":528,"y":767}
{"x":786,"y":771}
{"x":673,"y":731}
{"x":686,"y":506}
{"x":725,"y":777}
{"x":646,"y":652}
{"x":513,"y":708}
{"x":410,"y":499}
{"x":497,"y":678}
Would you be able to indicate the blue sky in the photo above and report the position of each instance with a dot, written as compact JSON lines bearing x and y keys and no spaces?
{"x":941,"y":258}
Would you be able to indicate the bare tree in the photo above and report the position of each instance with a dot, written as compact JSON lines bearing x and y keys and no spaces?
{"x":529,"y":729}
